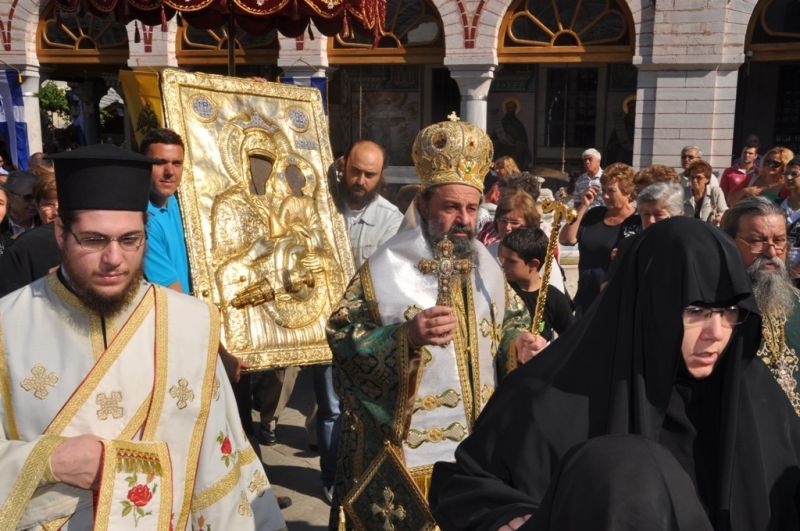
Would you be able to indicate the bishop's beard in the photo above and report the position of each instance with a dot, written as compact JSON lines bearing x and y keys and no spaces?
{"x":462,"y":245}
{"x":774,"y":292}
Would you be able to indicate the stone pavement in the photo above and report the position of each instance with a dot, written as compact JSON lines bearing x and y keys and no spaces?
{"x":293,"y":469}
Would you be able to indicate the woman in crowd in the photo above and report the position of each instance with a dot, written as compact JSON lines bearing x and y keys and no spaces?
{"x":505,"y":168}
{"x":518,"y":209}
{"x":657,"y":202}
{"x":655,"y":173}
{"x":654,"y":412}
{"x":769,"y":180}
{"x":597,"y":231}
{"x":45,"y":197}
{"x":515,"y":209}
{"x":525,"y":182}
{"x":704,"y":202}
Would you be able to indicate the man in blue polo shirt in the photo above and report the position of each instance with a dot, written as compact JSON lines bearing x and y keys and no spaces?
{"x":165,"y":261}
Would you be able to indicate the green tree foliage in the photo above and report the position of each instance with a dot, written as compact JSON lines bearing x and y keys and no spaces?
{"x":52,"y":103}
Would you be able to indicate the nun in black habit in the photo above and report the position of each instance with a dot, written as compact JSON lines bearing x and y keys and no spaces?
{"x":608,"y":428}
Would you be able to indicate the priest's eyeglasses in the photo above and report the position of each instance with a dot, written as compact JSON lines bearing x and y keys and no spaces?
{"x":699,"y":315}
{"x":94,"y":242}
{"x":761,"y":246}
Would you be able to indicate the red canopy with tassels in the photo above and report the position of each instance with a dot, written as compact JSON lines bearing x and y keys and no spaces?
{"x":290,"y":17}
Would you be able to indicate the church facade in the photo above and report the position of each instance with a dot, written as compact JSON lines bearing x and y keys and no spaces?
{"x":637,"y":79}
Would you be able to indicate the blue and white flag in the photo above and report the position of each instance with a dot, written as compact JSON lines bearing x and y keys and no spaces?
{"x":13,"y":129}
{"x":319,"y":83}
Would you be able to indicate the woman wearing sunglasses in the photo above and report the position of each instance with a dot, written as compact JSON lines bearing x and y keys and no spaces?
{"x":769,"y":180}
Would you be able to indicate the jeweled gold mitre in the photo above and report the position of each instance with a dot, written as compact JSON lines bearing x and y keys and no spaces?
{"x":452,"y":152}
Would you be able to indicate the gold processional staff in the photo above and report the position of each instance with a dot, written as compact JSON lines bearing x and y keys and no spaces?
{"x":561,"y":210}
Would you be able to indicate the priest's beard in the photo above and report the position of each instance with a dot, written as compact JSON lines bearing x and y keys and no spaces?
{"x":359,"y":196}
{"x":774,"y":292}
{"x":462,"y":246}
{"x":104,"y":305}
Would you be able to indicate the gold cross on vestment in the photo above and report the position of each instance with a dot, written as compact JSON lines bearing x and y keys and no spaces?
{"x":492,"y":330}
{"x":109,"y":405}
{"x":390,"y":512}
{"x":446,"y":267}
{"x":181,"y":393}
{"x":38,"y":382}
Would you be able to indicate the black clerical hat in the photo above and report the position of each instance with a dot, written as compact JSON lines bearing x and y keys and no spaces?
{"x":102,"y":177}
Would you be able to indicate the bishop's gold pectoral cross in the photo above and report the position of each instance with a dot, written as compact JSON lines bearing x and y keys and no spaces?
{"x":446,"y":267}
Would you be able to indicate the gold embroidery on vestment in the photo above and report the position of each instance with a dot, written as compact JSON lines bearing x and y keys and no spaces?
{"x":486,"y":393}
{"x":411,"y":311}
{"x":27,"y":480}
{"x":780,"y":357}
{"x":449,"y":398}
{"x":104,"y":363}
{"x":388,"y":511}
{"x":244,"y":507}
{"x":38,"y":381}
{"x":493,"y":330}
{"x":215,"y":390}
{"x":109,"y":405}
{"x":181,"y":393}
{"x":218,"y":490}
{"x":258,"y":484}
{"x":454,"y":432}
{"x":205,"y":405}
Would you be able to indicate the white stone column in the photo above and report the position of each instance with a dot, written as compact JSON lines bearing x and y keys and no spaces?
{"x":473,"y":82}
{"x":30,"y":100}
{"x":303,"y":58}
{"x":683,"y":105}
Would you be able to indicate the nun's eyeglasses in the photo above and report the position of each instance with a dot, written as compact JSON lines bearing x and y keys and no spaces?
{"x":699,"y":315}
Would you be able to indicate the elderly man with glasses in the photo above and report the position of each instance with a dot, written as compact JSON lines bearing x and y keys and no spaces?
{"x":21,"y":206}
{"x":690,"y":154}
{"x":758,"y":227}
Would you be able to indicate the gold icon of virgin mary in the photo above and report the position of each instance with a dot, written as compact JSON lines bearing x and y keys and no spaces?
{"x":265,"y":241}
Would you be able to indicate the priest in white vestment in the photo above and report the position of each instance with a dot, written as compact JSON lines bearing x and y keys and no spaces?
{"x":115,"y":411}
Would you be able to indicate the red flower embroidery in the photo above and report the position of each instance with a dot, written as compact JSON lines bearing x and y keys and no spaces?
{"x":226,"y":446}
{"x":140,"y":495}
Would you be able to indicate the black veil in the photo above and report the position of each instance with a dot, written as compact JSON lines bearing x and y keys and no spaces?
{"x":619,"y":371}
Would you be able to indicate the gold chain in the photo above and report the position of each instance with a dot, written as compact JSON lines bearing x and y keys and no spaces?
{"x":780,"y":357}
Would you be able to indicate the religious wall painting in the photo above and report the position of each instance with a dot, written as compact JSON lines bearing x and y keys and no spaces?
{"x":510,"y":122}
{"x":379,"y":103}
{"x":391,"y":119}
{"x":266,"y":244}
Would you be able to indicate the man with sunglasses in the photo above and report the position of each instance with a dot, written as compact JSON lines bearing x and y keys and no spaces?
{"x":758,"y":227}
{"x":690,"y":154}
{"x":116,"y":410}
{"x":21,"y":207}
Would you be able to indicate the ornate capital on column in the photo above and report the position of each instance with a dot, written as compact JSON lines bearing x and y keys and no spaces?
{"x":474,"y":82}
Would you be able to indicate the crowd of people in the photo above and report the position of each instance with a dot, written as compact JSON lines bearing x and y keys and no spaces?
{"x":662,"y":395}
